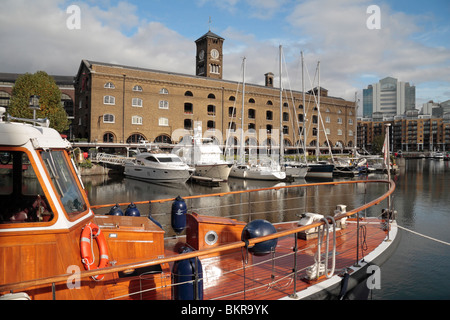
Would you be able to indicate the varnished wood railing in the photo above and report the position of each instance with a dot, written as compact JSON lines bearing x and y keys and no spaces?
{"x":12,"y":287}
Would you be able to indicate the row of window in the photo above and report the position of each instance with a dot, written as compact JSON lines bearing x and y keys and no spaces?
{"x":211,"y":125}
{"x":211,"y":110}
{"x":111,"y":99}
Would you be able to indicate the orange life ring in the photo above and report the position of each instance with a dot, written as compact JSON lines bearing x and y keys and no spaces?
{"x":91,"y":231}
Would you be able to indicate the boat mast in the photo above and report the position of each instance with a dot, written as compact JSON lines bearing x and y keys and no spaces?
{"x":304,"y":110}
{"x":318,"y":114}
{"x":281,"y":155}
{"x":242,"y":146}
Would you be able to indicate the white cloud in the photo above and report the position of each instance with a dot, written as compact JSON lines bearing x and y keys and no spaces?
{"x":38,"y":39}
{"x":348,"y":49}
{"x":35,"y":37}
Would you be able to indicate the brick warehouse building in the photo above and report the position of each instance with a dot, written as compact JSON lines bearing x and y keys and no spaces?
{"x":122,"y":104}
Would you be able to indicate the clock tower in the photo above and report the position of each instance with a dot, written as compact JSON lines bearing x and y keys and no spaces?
{"x":209,"y":57}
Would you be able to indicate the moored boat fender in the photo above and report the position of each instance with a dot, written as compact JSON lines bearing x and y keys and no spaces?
{"x":259,"y":228}
{"x":115,"y":211}
{"x":187,"y":278}
{"x":132,"y":211}
{"x":92,"y":231}
{"x":178,"y":215}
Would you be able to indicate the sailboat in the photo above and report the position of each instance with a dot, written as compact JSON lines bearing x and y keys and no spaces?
{"x":265,"y":170}
{"x":295,"y":169}
{"x":318,"y":169}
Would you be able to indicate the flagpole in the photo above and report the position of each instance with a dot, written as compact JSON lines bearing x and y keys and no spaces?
{"x":388,"y":151}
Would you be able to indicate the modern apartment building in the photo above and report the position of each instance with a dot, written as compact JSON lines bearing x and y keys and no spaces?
{"x":408,"y":134}
{"x":388,"y":98}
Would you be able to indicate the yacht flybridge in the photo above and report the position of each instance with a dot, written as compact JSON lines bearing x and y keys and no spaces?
{"x":53,"y":245}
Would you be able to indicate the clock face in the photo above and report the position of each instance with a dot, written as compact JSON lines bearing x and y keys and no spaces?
{"x":201,"y":55}
{"x":214,"y":54}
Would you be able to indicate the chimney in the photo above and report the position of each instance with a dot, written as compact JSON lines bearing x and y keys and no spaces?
{"x":269,"y":79}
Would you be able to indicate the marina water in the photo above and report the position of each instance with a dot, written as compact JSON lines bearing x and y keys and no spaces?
{"x":418,"y":268}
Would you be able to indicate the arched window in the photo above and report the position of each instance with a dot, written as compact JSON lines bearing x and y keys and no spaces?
{"x":163,"y":138}
{"x":136,"y":138}
{"x":211,"y":96}
{"x":164,"y":91}
{"x":211,"y":110}
{"x":251,"y":100}
{"x":110,"y":85}
{"x":109,"y":100}
{"x":136,"y":120}
{"x":108,"y":118}
{"x":108,"y":137}
{"x":188,"y":124}
{"x":188,"y":94}
{"x":269,"y":103}
{"x":137,"y":88}
{"x":136,"y":102}
{"x":188,"y":108}
{"x":163,"y":104}
{"x":163,"y":122}
{"x":211,"y":125}
{"x":232,"y":98}
{"x":287,"y":143}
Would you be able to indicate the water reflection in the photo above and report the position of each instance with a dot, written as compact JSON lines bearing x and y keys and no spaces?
{"x":273,"y":205}
{"x":418,"y":268}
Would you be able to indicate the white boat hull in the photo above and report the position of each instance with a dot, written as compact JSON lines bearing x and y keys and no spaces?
{"x":257,"y":173}
{"x":296,"y":172}
{"x":156,"y":174}
{"x":213,"y":171}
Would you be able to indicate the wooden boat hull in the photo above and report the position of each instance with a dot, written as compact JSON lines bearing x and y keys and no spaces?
{"x":142,"y":261}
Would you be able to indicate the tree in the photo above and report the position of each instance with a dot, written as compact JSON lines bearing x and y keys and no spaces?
{"x":377,"y":144}
{"x":41,"y":84}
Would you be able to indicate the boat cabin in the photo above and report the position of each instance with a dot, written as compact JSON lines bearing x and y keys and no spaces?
{"x":44,"y":211}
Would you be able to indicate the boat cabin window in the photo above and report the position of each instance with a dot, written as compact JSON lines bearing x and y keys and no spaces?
{"x":152,"y":159}
{"x":64,"y":182}
{"x":22,"y":198}
{"x":169,"y":159}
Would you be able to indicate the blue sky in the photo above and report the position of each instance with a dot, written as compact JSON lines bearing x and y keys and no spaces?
{"x":412,"y":43}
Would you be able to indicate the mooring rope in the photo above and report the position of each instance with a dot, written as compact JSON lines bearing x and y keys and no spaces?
{"x":424,"y":236}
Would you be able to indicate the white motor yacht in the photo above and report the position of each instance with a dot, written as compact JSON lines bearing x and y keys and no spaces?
{"x":158,"y":167}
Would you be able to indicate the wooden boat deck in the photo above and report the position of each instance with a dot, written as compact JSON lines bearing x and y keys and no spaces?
{"x":271,"y":277}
